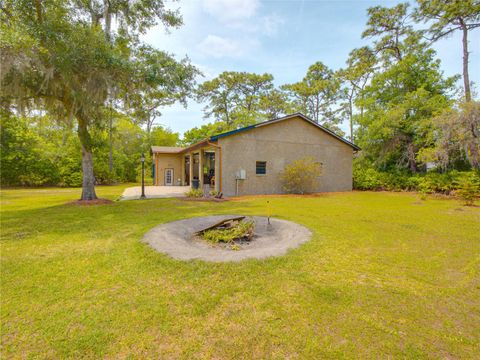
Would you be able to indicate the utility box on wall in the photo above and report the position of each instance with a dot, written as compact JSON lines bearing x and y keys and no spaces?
{"x":241,"y":175}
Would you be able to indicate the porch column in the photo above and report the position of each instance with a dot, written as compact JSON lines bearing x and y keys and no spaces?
{"x":182,"y":178}
{"x":200,"y":168}
{"x":218,"y":172}
{"x":191,"y":169}
{"x":157,"y":170}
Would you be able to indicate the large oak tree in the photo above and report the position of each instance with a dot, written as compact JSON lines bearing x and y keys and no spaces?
{"x":72,"y":58}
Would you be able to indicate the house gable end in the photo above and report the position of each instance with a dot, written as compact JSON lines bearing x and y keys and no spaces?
{"x":283,"y":119}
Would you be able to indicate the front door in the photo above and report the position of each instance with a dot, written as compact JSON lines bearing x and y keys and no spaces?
{"x":169,"y":177}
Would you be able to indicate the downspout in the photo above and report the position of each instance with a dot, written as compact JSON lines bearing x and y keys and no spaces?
{"x":219,"y":164}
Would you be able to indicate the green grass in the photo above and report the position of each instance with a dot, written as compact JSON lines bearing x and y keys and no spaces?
{"x":384,"y":276}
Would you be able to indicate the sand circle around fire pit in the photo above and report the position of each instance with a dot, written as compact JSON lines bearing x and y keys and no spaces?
{"x":177,"y":239}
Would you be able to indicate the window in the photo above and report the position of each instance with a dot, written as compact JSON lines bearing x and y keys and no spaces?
{"x":261,"y":168}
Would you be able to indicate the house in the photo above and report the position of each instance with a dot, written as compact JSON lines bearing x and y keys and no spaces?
{"x":250,"y":160}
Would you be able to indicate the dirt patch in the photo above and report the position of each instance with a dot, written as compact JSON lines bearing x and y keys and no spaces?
{"x":177,"y":239}
{"x":91,"y":202}
{"x":203,"y":199}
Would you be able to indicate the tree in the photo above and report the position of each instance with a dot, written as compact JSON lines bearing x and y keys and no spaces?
{"x":43,"y":70}
{"x":448,"y":16}
{"x":389,"y":27}
{"x":147,"y":98}
{"x":455,"y":136}
{"x":234,"y":97}
{"x":360,"y":66}
{"x":24,"y":154}
{"x":399,"y":99}
{"x":200,"y":133}
{"x":162,"y":136}
{"x":275,"y":104}
{"x":316,"y":95}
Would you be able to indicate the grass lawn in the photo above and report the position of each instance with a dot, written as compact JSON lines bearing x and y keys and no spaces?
{"x":384,"y":276}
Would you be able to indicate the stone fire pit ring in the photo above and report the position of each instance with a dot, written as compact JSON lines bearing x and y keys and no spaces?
{"x":177,"y":239}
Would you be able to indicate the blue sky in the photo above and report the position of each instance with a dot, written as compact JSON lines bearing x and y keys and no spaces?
{"x":279,"y":37}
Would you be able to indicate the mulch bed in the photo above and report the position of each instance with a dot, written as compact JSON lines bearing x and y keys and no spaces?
{"x":204,"y":199}
{"x":91,"y":202}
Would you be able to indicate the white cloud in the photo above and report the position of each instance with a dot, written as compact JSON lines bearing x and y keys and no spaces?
{"x":231,"y":10}
{"x":218,"y":47}
{"x":271,"y":24}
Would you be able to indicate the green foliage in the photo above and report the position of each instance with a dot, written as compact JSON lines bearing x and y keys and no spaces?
{"x":361,"y":64}
{"x":446,"y":17}
{"x":468,"y":188}
{"x":455,"y":137}
{"x":398,"y":103}
{"x":301,"y":176}
{"x":37,"y":151}
{"x":368,"y":178}
{"x":65,"y":57}
{"x":200,"y":133}
{"x":23,"y":156}
{"x":234,"y":97}
{"x":229,"y":235}
{"x":316,"y":95}
{"x":213,"y":193}
{"x":275,"y":104}
{"x":194,"y":193}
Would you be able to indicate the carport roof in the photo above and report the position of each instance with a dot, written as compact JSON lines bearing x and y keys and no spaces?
{"x":166,"y":149}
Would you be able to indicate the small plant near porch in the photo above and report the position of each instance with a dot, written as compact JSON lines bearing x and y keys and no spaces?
{"x":194,"y":193}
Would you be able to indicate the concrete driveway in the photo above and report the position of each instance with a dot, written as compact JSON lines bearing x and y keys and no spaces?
{"x":151,"y":192}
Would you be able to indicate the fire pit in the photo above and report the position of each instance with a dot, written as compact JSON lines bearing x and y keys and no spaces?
{"x":186,"y":239}
{"x":231,"y":232}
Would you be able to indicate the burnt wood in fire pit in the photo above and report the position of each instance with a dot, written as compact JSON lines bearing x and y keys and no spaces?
{"x":224,"y":224}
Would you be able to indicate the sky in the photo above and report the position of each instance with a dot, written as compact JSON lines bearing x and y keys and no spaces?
{"x":282,"y":38}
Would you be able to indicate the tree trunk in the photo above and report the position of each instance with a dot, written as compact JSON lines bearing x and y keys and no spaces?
{"x":412,"y":163}
{"x":110,"y":145}
{"x":88,"y":183}
{"x":466,"y":79}
{"x":350,"y":110}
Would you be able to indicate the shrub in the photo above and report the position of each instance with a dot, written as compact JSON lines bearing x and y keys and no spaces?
{"x":301,"y":176}
{"x":367,"y":179}
{"x":194,"y":193}
{"x":213,"y":193}
{"x":443,"y":183}
{"x":468,"y":189}
{"x":428,"y":183}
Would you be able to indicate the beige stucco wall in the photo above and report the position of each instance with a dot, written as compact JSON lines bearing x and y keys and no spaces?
{"x":167,"y":161}
{"x":279,"y":144}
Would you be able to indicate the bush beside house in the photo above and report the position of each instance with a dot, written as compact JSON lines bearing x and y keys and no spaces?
{"x":301,"y":176}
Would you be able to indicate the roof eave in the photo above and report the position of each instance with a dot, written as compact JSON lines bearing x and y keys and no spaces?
{"x":195,"y":146}
{"x":265,"y":123}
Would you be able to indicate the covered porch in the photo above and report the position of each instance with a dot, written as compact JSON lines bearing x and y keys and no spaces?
{"x":201,"y":167}
{"x":198,"y":166}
